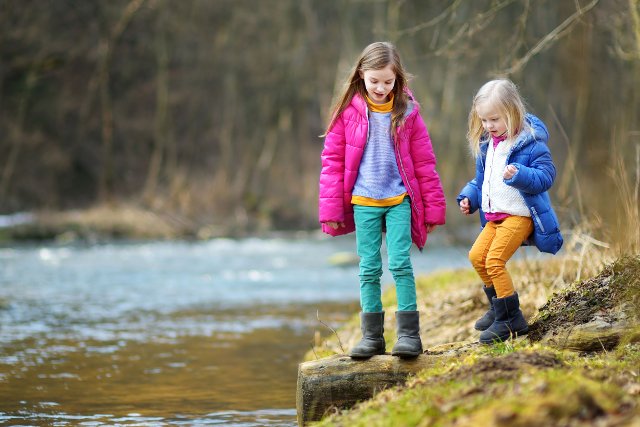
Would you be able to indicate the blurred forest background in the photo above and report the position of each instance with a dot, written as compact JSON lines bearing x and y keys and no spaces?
{"x":210,"y":110}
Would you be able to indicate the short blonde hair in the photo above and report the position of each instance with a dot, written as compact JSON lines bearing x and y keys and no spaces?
{"x":503,"y":95}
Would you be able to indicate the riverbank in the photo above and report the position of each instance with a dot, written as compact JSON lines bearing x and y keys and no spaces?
{"x":544,"y":379}
{"x":133,"y":222}
{"x":93,"y":224}
{"x":127,"y":222}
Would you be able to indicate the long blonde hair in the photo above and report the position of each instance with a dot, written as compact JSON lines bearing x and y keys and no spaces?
{"x":504,"y":96}
{"x":376,"y":56}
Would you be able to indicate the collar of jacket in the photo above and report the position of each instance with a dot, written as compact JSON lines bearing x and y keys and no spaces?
{"x":360,"y":104}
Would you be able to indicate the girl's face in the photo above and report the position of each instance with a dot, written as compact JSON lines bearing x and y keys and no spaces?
{"x":379,"y":83}
{"x":492,"y":121}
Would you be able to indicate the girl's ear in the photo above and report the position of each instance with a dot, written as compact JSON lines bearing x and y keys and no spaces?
{"x":361,"y":74}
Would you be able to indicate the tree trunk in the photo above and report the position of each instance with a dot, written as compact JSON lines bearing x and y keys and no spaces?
{"x":107,"y":44}
{"x":105,"y":180}
{"x":450,"y":170}
{"x":348,"y":52}
{"x":581,"y":76}
{"x":340,"y":381}
{"x":162,"y":101}
{"x":634,"y":11}
{"x":17,"y":136}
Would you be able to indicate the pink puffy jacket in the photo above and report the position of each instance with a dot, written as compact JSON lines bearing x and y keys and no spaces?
{"x":343,"y":150}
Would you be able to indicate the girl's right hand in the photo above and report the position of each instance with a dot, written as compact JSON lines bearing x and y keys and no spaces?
{"x":464,"y":206}
{"x":335,"y":225}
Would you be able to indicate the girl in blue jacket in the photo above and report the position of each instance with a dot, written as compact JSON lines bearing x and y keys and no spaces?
{"x":514,"y":171}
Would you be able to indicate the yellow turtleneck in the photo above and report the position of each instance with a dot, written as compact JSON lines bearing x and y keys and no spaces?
{"x":381,"y":108}
{"x":387,"y":107}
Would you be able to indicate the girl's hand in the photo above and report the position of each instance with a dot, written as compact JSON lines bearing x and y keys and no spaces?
{"x":431,"y":227}
{"x":509,"y":171}
{"x":465,"y":206}
{"x":335,"y":224}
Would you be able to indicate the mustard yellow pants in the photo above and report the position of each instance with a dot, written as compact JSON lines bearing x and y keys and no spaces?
{"x":495,"y":245}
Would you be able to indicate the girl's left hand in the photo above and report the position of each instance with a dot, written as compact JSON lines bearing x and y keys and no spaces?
{"x":431,"y":227}
{"x":335,"y":224}
{"x":509,"y":171}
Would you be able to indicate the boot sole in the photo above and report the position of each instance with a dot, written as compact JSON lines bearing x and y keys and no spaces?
{"x":500,"y":339}
{"x":364,"y":355}
{"x":406,"y":355}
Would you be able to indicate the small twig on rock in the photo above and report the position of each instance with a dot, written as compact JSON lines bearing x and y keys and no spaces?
{"x":332,"y":330}
{"x":602,"y":345}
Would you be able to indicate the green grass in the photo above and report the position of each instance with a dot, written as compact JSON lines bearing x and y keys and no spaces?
{"x":500,"y":348}
{"x":575,"y":391}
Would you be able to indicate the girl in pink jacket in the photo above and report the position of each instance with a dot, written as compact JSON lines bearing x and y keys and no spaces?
{"x":378,"y":173}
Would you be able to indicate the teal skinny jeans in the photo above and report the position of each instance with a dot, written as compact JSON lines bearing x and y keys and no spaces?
{"x":398,"y":239}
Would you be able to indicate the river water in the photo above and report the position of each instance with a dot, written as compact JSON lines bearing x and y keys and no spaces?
{"x":170,"y":333}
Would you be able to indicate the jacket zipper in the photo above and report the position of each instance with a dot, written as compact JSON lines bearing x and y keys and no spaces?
{"x":366,"y":114}
{"x":537,"y":218}
{"x":406,"y":179}
{"x":490,"y":173}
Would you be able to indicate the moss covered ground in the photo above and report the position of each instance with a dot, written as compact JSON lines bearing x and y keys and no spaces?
{"x":528,"y":381}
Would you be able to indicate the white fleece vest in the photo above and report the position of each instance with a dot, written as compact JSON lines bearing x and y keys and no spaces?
{"x":496,"y":195}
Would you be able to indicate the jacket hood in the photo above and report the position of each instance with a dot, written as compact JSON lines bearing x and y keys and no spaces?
{"x":534,"y":130}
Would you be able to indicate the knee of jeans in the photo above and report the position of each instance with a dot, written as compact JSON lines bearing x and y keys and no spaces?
{"x":400,"y":265}
{"x":370,"y":275}
{"x":476,"y":259}
{"x":401,"y":272}
{"x":495,"y":266}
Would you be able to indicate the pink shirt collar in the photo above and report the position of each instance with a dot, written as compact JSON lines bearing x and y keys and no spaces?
{"x":498,"y":139}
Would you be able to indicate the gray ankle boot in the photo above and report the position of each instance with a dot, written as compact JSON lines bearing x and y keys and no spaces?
{"x":509,"y":321}
{"x":485,"y":321}
{"x":372,"y":342}
{"x":409,"y":343}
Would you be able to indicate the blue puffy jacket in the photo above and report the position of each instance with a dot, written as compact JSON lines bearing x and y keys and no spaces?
{"x":536,"y":173}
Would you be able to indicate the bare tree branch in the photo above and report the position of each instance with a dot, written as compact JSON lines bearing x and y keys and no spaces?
{"x":550,"y":38}
{"x":518,"y":37}
{"x":435,"y":21}
{"x":468,"y":29}
{"x":472,"y":27}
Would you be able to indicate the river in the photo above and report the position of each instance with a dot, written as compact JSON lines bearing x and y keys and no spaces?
{"x":170,"y":333}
